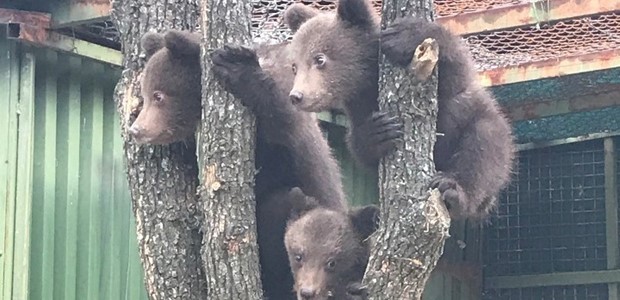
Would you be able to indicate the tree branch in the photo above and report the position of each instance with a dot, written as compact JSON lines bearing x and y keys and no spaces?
{"x":167,"y":215}
{"x":226,"y":153}
{"x":414,"y":223}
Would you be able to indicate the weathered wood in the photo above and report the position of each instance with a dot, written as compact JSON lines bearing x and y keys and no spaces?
{"x":414,"y":224}
{"x":162,"y":180}
{"x":226,"y":152}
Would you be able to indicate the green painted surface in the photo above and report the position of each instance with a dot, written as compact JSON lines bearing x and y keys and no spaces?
{"x":9,"y":91}
{"x":64,"y":165}
{"x":23,"y":191}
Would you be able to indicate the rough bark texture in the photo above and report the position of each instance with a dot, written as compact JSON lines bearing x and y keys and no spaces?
{"x":227,"y":140}
{"x":414,"y":222}
{"x":162,"y":180}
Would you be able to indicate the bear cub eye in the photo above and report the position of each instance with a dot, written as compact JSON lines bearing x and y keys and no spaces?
{"x":331,"y":264}
{"x":294,"y":68}
{"x":158,"y":96}
{"x":320,"y":60}
{"x":298,"y":258}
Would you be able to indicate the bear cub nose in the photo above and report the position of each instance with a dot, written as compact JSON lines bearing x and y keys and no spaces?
{"x":296,"y":97}
{"x":135,"y":131}
{"x":307,"y":293}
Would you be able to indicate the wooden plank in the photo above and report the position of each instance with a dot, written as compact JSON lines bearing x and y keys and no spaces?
{"x":42,"y":37}
{"x":566,"y":278}
{"x":562,"y":66}
{"x":541,"y":109}
{"x":77,"y":12}
{"x":582,"y":138}
{"x":611,"y":212}
{"x":23,"y":192}
{"x":525,"y":13}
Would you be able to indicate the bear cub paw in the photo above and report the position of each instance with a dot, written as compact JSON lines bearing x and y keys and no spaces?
{"x":357,"y":291}
{"x":232,"y":65}
{"x":451,"y":193}
{"x":377,"y":136}
{"x":398,"y":43}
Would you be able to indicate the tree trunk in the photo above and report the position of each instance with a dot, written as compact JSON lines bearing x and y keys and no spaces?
{"x":226,"y":152}
{"x":162,"y":180}
{"x":414,"y":223}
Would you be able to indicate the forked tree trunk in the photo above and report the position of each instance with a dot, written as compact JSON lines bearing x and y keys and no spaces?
{"x":226,"y":153}
{"x":414,"y":224}
{"x":162,"y":180}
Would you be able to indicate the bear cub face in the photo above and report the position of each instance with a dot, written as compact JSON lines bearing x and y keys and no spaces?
{"x":334,"y":55}
{"x":170,"y":87}
{"x":328,"y":250}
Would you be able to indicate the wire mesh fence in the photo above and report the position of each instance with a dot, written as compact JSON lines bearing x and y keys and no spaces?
{"x":551,"y":219}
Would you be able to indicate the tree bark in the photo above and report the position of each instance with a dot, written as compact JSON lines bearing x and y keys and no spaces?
{"x":162,"y":180}
{"x":226,"y":152}
{"x":414,"y":223}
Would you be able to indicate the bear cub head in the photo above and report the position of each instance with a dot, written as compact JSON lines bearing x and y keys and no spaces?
{"x":328,"y":249}
{"x":170,"y":87}
{"x":334,"y":55}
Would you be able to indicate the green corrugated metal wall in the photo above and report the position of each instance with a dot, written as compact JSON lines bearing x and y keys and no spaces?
{"x":64,"y":161}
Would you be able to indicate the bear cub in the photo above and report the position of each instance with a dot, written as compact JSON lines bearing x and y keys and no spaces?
{"x":329,"y":249}
{"x":291,"y":150}
{"x":170,"y":88}
{"x":335,"y":63}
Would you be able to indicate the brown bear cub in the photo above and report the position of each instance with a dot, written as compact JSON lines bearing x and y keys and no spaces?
{"x":335,"y":57}
{"x":261,"y":79}
{"x":328,"y":249}
{"x":291,"y":150}
{"x":170,"y":88}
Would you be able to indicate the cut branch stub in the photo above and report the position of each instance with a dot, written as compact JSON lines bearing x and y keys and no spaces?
{"x":424,"y":59}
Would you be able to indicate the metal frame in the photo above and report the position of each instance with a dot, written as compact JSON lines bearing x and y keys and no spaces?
{"x":611,"y":276}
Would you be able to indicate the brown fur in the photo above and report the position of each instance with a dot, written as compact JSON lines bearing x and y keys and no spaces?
{"x":291,"y":149}
{"x":328,"y":249}
{"x":170,"y":88}
{"x":474,"y":154}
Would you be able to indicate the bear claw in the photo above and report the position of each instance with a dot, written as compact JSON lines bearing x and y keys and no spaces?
{"x":231,"y":64}
{"x":378,"y":135}
{"x":451,"y":191}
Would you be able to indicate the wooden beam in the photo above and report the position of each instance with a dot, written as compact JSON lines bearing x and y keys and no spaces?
{"x":76,"y":12}
{"x":525,"y":13}
{"x":570,"y":140}
{"x":565,"y":278}
{"x":566,"y":65}
{"x":32,"y":18}
{"x":541,"y":109}
{"x":45,"y":38}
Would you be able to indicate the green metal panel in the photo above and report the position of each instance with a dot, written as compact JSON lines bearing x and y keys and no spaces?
{"x":64,"y":164}
{"x":16,"y":96}
{"x":360,"y":183}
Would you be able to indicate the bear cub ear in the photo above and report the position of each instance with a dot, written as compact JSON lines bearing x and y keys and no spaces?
{"x":151,"y":42}
{"x":357,"y":13}
{"x":297,"y":14}
{"x":365,"y":220}
{"x":300,"y":203}
{"x":182,"y":43}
